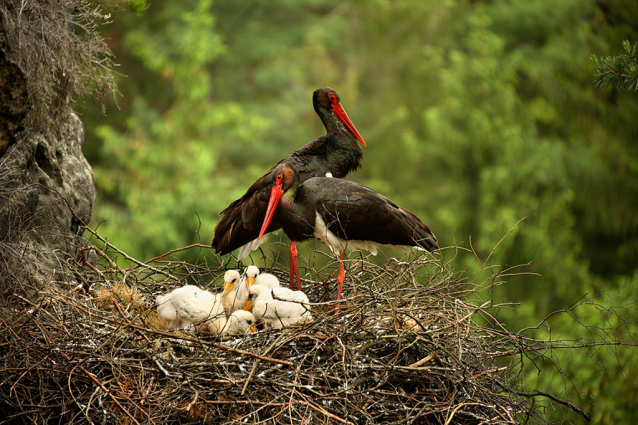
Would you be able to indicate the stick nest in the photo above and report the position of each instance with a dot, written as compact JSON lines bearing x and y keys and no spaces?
{"x":404,"y":346}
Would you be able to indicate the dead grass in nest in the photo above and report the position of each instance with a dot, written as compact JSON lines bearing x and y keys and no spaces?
{"x":121,"y":293}
{"x":405,"y":347}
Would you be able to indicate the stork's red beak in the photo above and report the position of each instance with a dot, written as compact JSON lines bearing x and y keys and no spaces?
{"x":341,"y":113}
{"x":275,"y":196}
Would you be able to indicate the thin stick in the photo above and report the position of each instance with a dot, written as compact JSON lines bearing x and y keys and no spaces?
{"x":128,"y":257}
{"x":449,"y":419}
{"x":536,"y":393}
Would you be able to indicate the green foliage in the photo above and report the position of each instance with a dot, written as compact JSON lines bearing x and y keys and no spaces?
{"x":159,"y":161}
{"x":504,"y":171}
{"x":137,"y":6}
{"x":620,"y":71}
{"x":601,"y":376}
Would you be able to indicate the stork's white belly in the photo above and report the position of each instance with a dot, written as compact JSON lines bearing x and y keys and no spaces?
{"x":337,"y":244}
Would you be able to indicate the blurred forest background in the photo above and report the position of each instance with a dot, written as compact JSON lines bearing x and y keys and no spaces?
{"x":476,"y":114}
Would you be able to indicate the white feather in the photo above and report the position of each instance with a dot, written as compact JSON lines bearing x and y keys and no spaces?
{"x":252,"y":271}
{"x":253,"y":245}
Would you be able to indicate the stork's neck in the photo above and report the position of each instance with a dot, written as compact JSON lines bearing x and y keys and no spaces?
{"x":335,"y":127}
{"x":341,"y":152}
{"x":287,"y":201}
{"x":297,"y":217}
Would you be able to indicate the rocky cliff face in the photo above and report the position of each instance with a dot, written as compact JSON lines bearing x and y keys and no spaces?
{"x":46,"y":184}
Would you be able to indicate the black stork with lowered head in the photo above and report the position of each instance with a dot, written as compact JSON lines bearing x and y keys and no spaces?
{"x":342,"y":213}
{"x":337,"y":152}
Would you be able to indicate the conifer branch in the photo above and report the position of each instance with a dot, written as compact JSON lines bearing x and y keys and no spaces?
{"x":620,"y":71}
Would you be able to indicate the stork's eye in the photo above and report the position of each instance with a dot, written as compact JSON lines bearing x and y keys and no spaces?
{"x":332,"y":98}
{"x":280,"y":177}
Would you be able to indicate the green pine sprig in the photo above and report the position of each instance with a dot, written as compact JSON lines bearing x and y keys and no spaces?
{"x":620,"y":71}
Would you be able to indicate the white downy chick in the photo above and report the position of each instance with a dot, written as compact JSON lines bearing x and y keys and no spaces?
{"x":235,"y":292}
{"x":240,"y":322}
{"x":268,"y":280}
{"x":251,"y":274}
{"x":279,"y":307}
{"x":190,"y":305}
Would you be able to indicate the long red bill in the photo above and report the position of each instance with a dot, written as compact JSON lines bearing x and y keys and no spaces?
{"x":275,"y":196}
{"x":341,"y":113}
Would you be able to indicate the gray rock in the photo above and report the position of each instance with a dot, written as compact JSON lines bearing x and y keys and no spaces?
{"x":46,"y":188}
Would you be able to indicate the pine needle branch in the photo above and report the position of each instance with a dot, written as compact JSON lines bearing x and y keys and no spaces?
{"x":621,"y":71}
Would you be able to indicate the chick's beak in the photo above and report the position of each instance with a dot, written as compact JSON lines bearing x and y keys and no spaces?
{"x":250,"y":281}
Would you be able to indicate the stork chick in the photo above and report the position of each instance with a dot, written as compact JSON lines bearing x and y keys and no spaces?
{"x":235,"y":292}
{"x":254,"y":277}
{"x":279,"y":307}
{"x":240,"y":322}
{"x":268,"y":280}
{"x":189,"y":305}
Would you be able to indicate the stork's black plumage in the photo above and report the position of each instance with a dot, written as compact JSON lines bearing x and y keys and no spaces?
{"x":337,"y":152}
{"x":342,"y":213}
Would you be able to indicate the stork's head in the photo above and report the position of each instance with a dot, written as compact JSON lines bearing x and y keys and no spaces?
{"x":231,"y":280}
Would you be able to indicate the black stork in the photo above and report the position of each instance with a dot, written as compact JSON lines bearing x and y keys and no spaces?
{"x":337,"y":152}
{"x":343,"y":214}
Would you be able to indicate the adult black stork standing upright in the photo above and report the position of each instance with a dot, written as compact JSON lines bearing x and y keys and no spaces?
{"x":343,"y":214}
{"x":337,"y":152}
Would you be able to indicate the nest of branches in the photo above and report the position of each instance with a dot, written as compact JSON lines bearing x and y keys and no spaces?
{"x":403,"y":346}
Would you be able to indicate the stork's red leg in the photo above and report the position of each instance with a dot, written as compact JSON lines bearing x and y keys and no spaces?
{"x":342,"y":275}
{"x":293,"y":264}
{"x":292,"y":260}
